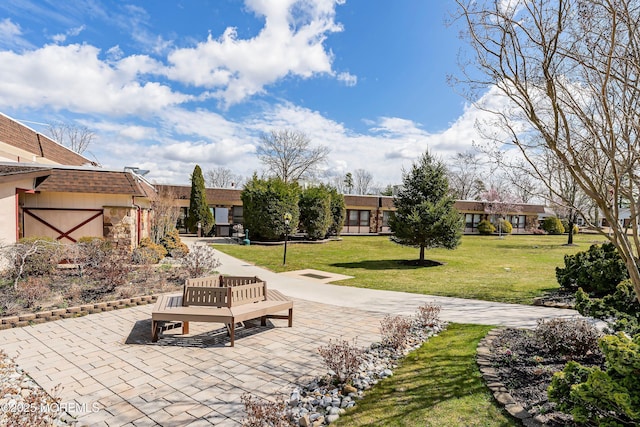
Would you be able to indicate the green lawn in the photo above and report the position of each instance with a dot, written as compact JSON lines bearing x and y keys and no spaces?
{"x":512,"y":269}
{"x":437,"y":385}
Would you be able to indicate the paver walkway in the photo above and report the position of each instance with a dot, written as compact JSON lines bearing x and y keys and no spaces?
{"x":114,"y":376}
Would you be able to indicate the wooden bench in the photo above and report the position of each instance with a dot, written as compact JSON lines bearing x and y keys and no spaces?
{"x":206,"y":301}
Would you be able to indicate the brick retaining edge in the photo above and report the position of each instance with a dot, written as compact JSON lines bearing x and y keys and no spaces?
{"x":76,"y":311}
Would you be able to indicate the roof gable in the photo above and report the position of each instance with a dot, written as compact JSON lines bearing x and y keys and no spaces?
{"x":17,"y":135}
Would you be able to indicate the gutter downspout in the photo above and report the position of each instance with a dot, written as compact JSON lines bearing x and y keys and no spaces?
{"x":138,"y":219}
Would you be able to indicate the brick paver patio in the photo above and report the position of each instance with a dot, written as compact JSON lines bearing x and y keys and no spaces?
{"x":112,"y":375}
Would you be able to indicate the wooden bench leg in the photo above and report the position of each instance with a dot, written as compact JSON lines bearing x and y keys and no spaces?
{"x":232,"y":333}
{"x":290,"y":317}
{"x":263,"y":321}
{"x":154,"y":331}
{"x":185,"y":328}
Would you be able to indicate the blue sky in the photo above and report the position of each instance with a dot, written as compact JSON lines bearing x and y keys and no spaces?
{"x":168,"y":84}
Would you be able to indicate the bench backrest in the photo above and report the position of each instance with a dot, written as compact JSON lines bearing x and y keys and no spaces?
{"x":224,"y":296}
{"x":238,"y":280}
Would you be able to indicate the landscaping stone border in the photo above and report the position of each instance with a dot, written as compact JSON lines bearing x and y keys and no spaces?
{"x":499,"y":390}
{"x":76,"y":311}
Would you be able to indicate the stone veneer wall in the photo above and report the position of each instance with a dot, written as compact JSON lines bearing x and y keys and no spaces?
{"x":120,"y":226}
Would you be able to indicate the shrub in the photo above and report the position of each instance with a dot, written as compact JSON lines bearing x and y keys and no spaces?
{"x":265,"y":203}
{"x":315,"y":212}
{"x":428,"y":314}
{"x":32,"y":291}
{"x":93,"y":250}
{"x":200,"y":261}
{"x":565,"y":225}
{"x":597,"y":271}
{"x":620,"y":309}
{"x":262,"y":412}
{"x":553,"y":225}
{"x":394,"y":331}
{"x":609,"y":398}
{"x":342,"y":358}
{"x":566,"y":337}
{"x":173,"y":245}
{"x":150,"y":251}
{"x":485,"y":227}
{"x":144,"y":256}
{"x":31,"y":257}
{"x":505,"y":226}
{"x":338,"y":213}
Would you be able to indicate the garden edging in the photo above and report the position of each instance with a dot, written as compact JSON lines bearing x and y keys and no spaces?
{"x":76,"y":311}
{"x":499,"y":390}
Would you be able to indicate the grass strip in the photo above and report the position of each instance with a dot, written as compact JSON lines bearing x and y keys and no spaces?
{"x":437,"y":385}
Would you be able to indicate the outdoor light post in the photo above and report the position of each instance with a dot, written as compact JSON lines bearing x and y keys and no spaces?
{"x":287,"y":222}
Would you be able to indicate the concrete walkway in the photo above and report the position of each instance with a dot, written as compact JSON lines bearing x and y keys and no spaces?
{"x":112,"y":375}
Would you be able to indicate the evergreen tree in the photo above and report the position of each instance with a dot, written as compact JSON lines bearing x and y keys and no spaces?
{"x":265,"y":203}
{"x":338,"y":213}
{"x":315,"y":211}
{"x":425,"y":216}
{"x":199,"y":211}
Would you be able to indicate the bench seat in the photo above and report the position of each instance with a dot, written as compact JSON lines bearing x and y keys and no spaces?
{"x":170,"y":308}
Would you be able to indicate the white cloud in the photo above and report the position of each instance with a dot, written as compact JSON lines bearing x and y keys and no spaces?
{"x":11,"y":35}
{"x":290,"y":44}
{"x":61,"y":38}
{"x":73,"y":77}
{"x":348,"y":79}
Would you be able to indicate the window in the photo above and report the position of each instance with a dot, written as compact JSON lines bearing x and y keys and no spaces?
{"x":221,"y":215}
{"x":472,"y":220}
{"x":385,"y":218}
{"x":357,"y":218}
{"x":237,"y":213}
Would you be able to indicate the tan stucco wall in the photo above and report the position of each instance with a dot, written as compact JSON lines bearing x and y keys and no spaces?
{"x":8,"y":209}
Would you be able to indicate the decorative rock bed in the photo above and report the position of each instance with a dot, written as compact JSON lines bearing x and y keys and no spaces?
{"x":321,"y":402}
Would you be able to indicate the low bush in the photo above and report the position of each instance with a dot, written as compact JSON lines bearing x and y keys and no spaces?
{"x":553,"y":225}
{"x":153,"y":248}
{"x":566,"y":337}
{"x":620,"y":309}
{"x":603,"y":398}
{"x":315,"y":212}
{"x":262,"y":412}
{"x":505,"y":226}
{"x":597,"y":271}
{"x":33,"y":290}
{"x":35,"y":256}
{"x":200,"y":261}
{"x":394,"y":331}
{"x":342,"y":358}
{"x":485,"y":227}
{"x":565,"y":225}
{"x":428,"y":314}
{"x":173,"y":244}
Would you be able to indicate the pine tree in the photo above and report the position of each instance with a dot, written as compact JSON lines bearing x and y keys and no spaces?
{"x":425,"y":216}
{"x":199,"y":211}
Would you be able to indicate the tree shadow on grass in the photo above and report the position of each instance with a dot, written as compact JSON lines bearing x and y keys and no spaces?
{"x":388,"y":264}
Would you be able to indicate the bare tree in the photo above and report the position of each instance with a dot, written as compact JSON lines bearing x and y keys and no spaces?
{"x":464,"y":171}
{"x":568,"y":72}
{"x":222,"y":177}
{"x":75,"y":137}
{"x":289,"y":155}
{"x":165,"y":213}
{"x":362,"y":180}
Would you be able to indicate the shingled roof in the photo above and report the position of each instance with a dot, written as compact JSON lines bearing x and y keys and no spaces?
{"x":216,"y":195}
{"x":94,"y":181}
{"x":22,"y":137}
{"x":14,"y":172}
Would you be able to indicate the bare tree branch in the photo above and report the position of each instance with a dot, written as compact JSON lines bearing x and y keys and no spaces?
{"x":76,"y":138}
{"x":222,"y":177}
{"x":289,"y":155}
{"x":362,"y":181}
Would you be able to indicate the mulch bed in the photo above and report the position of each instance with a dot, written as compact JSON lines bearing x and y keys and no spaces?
{"x":527,"y":373}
